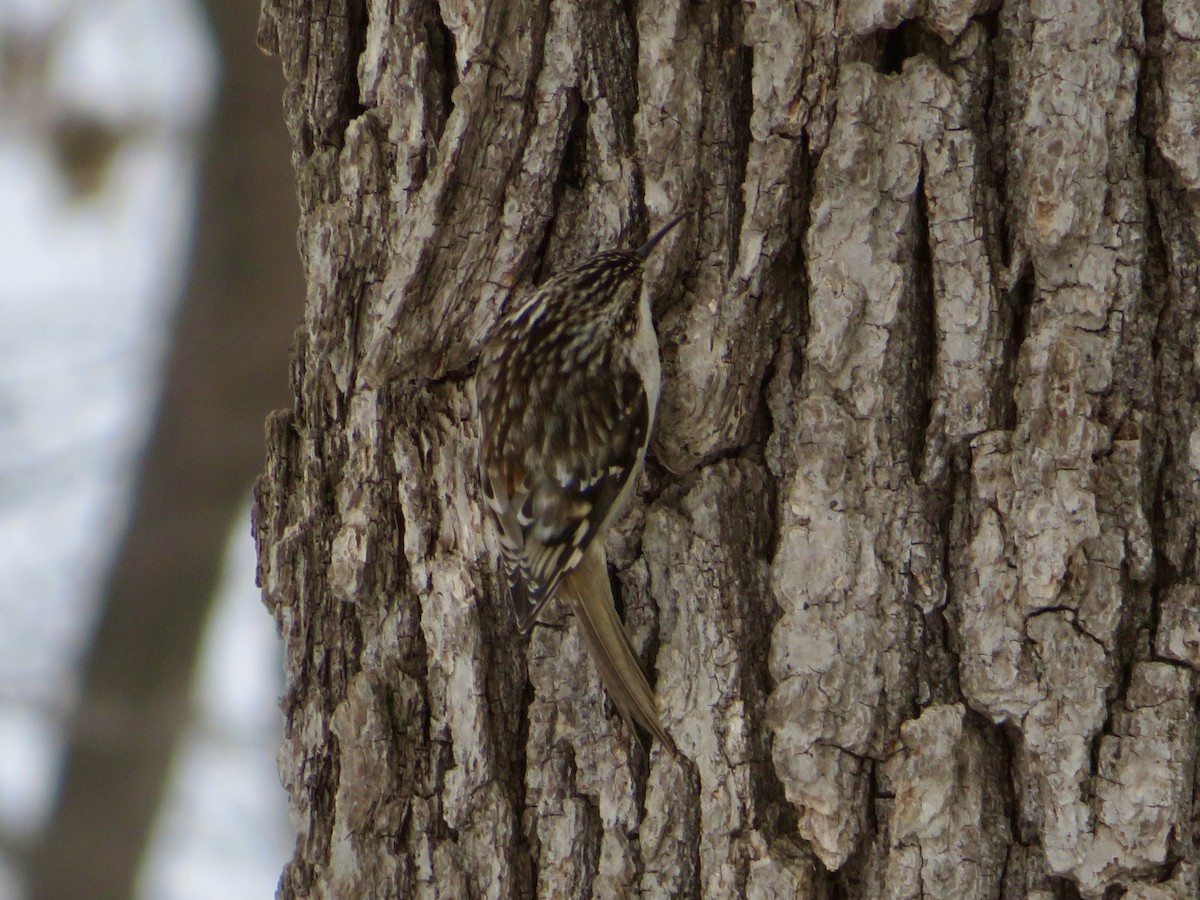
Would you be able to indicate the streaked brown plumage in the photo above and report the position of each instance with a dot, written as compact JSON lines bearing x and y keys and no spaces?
{"x":567,"y":390}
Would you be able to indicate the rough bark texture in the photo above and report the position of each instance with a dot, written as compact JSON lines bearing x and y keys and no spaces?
{"x":917,"y":574}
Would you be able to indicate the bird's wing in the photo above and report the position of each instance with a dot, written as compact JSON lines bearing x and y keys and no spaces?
{"x":550,"y":502}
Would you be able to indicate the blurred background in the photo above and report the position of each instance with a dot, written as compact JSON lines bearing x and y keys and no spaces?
{"x":149,"y":288}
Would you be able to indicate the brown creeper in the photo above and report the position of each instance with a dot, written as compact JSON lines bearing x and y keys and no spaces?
{"x":567,"y":389}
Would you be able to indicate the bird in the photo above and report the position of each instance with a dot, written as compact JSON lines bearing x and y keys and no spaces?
{"x":567,"y":388}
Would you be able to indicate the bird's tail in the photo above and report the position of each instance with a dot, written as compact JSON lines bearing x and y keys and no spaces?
{"x":590,"y":594}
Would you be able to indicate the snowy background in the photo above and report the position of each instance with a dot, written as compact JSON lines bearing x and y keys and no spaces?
{"x":87,"y":288}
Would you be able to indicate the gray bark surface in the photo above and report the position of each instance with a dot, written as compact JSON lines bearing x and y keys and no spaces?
{"x":915,"y":565}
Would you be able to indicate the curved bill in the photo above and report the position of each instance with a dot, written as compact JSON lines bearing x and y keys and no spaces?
{"x":644,"y":250}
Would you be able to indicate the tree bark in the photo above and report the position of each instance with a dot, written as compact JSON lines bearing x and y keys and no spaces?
{"x":915,"y":567}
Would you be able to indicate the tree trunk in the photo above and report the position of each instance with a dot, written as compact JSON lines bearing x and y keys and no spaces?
{"x":915,"y":567}
{"x":229,"y":341}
